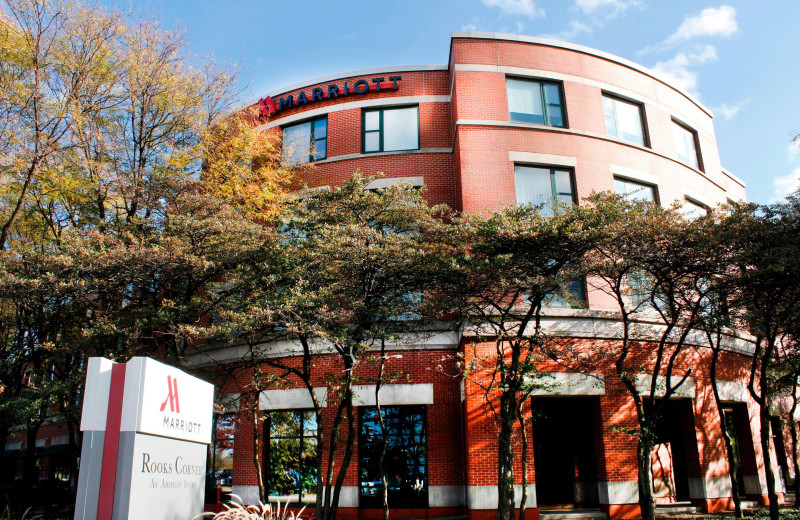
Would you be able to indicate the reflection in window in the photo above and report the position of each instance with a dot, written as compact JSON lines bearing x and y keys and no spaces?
{"x":631,"y":190}
{"x":292,"y":458}
{"x":535,"y":102}
{"x":390,"y":129}
{"x":306,"y":142}
{"x":220,"y":459}
{"x":406,"y":458}
{"x":571,"y":296}
{"x":543,"y":186}
{"x":686,"y":145}
{"x":692,"y":210}
{"x":623,"y":120}
{"x":640,"y":285}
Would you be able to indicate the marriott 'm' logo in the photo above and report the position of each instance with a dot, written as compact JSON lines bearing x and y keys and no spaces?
{"x":172,"y":396}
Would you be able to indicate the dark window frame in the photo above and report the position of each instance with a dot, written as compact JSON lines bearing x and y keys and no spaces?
{"x":312,"y":141}
{"x":545,"y":114}
{"x":696,"y":141}
{"x":642,"y":118}
{"x":380,"y":130}
{"x":400,"y":500}
{"x":267,"y":462}
{"x":654,"y":187}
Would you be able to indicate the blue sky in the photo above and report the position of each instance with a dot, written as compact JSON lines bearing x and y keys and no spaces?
{"x":740,"y":58}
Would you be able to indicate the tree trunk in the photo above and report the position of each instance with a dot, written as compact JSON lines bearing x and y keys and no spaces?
{"x":523,"y":461}
{"x":505,"y":456}
{"x":733,"y":464}
{"x":796,"y":483}
{"x":30,"y":474}
{"x":6,"y":229}
{"x":764,"y":417}
{"x":643,"y":449}
{"x":384,"y":443}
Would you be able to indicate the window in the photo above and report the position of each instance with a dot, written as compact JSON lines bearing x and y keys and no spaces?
{"x":686,"y":145}
{"x":640,"y":285}
{"x":631,"y":190}
{"x":220,"y":460}
{"x":535,"y":102}
{"x":544,"y":186}
{"x":572,"y":295}
{"x":292,"y":458}
{"x":624,"y":120}
{"x":692,"y":210}
{"x":390,"y":129}
{"x":406,"y":460}
{"x":306,"y":142}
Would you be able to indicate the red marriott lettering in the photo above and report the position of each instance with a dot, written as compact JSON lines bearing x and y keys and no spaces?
{"x":172,"y":396}
{"x":268,"y":106}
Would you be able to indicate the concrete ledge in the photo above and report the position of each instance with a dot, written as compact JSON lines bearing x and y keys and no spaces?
{"x":567,"y":383}
{"x":393,"y":395}
{"x":644,"y":381}
{"x":621,"y":492}
{"x":446,"y":496}
{"x":542,"y":158}
{"x":292,"y":399}
{"x":485,"y":497}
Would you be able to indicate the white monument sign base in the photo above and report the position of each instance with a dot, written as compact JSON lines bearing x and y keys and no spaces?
{"x":146,"y":428}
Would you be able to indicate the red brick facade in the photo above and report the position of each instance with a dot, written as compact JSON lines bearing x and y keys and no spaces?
{"x":468,"y":149}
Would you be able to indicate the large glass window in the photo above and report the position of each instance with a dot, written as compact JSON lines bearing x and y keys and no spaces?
{"x":571,"y":296}
{"x":544,"y":186}
{"x":220,"y":459}
{"x":390,"y":129}
{"x":686,"y":145}
{"x":535,"y":102}
{"x":406,"y":459}
{"x":306,"y":142}
{"x":291,"y":472}
{"x":623,"y":120}
{"x":631,"y":190}
{"x":692,"y":210}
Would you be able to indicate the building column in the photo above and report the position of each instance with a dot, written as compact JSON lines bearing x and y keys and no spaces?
{"x":618,"y":484}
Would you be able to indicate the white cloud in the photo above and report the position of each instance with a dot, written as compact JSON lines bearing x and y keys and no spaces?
{"x":610,"y":8}
{"x":469,"y":27}
{"x":789,"y":183}
{"x":710,"y":22}
{"x":677,"y":70}
{"x":728,"y":112}
{"x":523,"y":7}
{"x":717,"y":22}
{"x":573,"y":29}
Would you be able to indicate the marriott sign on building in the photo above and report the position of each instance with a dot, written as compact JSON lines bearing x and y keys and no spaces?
{"x":146,"y":428}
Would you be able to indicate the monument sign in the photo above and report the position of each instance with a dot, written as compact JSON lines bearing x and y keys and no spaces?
{"x":146,"y":429}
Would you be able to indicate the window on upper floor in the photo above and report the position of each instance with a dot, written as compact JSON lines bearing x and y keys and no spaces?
{"x":533,"y":101}
{"x":390,"y":129}
{"x":693,"y":209}
{"x":624,"y":120}
{"x":631,"y":190}
{"x":571,"y":296}
{"x":545,"y":186}
{"x":686,"y":145}
{"x":306,"y":142}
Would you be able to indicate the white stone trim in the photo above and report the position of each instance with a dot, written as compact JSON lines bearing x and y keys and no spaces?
{"x":622,"y":492}
{"x":351,"y":156}
{"x":634,"y":175}
{"x":542,"y":158}
{"x":382,"y":183}
{"x":446,"y":496}
{"x":584,"y":50}
{"x":733,"y":177}
{"x":393,"y":395}
{"x":348,"y":496}
{"x":60,"y":440}
{"x":95,"y":396}
{"x":485,"y":497}
{"x":710,"y":487}
{"x":592,"y":135}
{"x":569,"y":383}
{"x":643,"y":382}
{"x":696,"y":197}
{"x":732,"y":391}
{"x":351,"y":105}
{"x":292,"y":398}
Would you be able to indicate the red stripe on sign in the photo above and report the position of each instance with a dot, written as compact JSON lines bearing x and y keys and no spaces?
{"x":108,"y":471}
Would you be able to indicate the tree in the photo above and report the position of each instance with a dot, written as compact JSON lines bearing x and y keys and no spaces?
{"x":516,"y":261}
{"x":654,"y":266}
{"x":766,"y":245}
{"x":344,"y":272}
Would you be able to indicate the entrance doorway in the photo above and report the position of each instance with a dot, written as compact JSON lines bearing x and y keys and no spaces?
{"x":674,"y":456}
{"x":564,"y":451}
